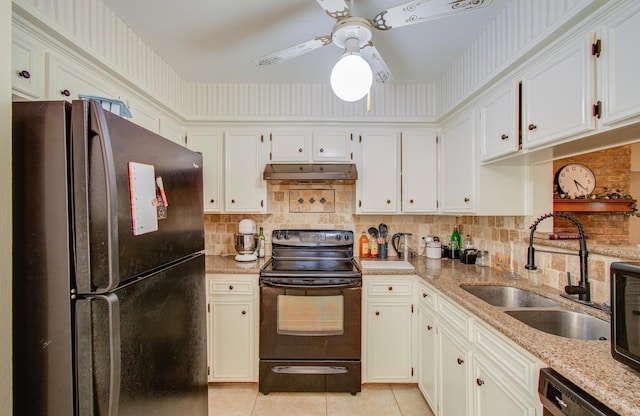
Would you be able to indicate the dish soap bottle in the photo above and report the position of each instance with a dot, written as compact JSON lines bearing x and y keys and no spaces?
{"x":456,"y":243}
{"x":261,"y":242}
{"x":364,"y":245}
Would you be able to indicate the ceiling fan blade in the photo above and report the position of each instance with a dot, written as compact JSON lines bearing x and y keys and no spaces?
{"x":418,"y":11}
{"x":293,"y":51}
{"x":338,"y":9}
{"x":381,"y":72}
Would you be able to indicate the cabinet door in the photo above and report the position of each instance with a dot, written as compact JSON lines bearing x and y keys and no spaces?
{"x":377,"y":186}
{"x":210,"y":145}
{"x":458,"y":165}
{"x":290,"y":146}
{"x":455,"y":374}
{"x":245,"y":190}
{"x":557,"y":96}
{"x":172,"y":130}
{"x":419,"y":172}
{"x":620,"y":63}
{"x":389,"y":342}
{"x":232,"y":340}
{"x":332,"y":146}
{"x":145,"y":115}
{"x":499,"y":123}
{"x":27,"y":65}
{"x":68,"y":79}
{"x":495,"y":397}
{"x":427,"y":370}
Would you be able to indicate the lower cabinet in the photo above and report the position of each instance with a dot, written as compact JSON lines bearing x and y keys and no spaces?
{"x":455,"y":372}
{"x":232,"y":327}
{"x":387,"y":329}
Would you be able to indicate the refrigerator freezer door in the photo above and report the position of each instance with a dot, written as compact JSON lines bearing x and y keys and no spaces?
{"x":142,"y":348}
{"x":107,"y":251}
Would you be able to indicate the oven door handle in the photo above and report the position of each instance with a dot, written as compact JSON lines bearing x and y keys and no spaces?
{"x":294,"y":286}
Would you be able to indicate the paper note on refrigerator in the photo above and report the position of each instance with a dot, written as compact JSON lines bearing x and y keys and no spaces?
{"x":142,"y":192}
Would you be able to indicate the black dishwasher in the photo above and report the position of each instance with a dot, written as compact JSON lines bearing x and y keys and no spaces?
{"x":560,"y":397}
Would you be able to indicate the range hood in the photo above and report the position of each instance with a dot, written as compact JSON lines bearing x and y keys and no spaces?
{"x":311,"y":172}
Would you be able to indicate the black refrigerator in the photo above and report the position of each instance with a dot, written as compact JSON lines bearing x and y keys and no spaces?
{"x":109,"y":297}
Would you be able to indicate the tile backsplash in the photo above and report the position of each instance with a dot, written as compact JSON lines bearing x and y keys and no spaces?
{"x":505,"y":236}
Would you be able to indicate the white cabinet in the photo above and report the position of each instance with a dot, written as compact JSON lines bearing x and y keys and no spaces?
{"x":27,"y":65}
{"x":388,"y":325}
{"x":428,"y":347}
{"x":67,"y":79}
{"x":303,"y":146}
{"x":419,"y":172}
{"x":498,"y":122}
{"x":457,"y":164}
{"x":332,"y":146}
{"x":209,"y":142}
{"x":145,"y":115}
{"x":245,"y":190}
{"x":377,"y":188}
{"x":619,"y":65}
{"x":233,"y":330}
{"x":172,"y":130}
{"x":290,"y":146}
{"x":557,"y":95}
{"x":455,"y":372}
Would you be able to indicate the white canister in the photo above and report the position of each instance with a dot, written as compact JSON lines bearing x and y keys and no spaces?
{"x":434,"y":248}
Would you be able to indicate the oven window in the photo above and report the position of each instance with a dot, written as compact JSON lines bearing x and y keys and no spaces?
{"x":310,"y":315}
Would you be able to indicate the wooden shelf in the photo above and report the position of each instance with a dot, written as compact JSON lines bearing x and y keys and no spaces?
{"x":592,"y":205}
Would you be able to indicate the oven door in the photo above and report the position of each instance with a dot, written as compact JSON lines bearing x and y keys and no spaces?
{"x":310,"y":322}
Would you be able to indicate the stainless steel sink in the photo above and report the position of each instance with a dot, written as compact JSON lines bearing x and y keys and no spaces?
{"x":508,"y":297}
{"x":564,"y":323}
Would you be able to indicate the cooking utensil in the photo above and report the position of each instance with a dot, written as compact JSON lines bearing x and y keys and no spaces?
{"x":382,"y":228}
{"x":374,"y":232}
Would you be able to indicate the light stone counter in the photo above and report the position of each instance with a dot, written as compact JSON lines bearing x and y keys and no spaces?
{"x":588,"y":364}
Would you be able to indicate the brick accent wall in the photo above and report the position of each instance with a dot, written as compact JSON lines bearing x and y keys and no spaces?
{"x":612,"y":168}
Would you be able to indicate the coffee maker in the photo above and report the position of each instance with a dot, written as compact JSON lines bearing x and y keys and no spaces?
{"x":246,"y":241}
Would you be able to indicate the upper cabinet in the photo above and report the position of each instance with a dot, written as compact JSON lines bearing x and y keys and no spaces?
{"x":619,"y":66}
{"x":27,"y":64}
{"x":67,"y":80}
{"x":208,"y":141}
{"x":377,"y":188}
{"x":245,"y":190}
{"x":419,"y":171}
{"x":557,"y":95}
{"x":498,"y":122}
{"x":305,"y":145}
{"x":457,"y":164}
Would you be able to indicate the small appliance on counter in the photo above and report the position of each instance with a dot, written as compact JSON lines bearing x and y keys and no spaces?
{"x":400,"y":244}
{"x":246,"y":241}
{"x":434,"y":248}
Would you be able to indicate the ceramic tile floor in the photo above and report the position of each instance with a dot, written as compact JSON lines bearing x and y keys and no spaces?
{"x":240,"y":399}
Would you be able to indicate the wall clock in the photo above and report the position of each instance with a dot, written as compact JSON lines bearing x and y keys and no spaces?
{"x":575,"y":179}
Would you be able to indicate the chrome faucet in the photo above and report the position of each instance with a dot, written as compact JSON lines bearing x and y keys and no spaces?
{"x":583,"y":289}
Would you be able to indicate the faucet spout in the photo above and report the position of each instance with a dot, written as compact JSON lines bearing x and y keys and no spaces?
{"x":583,"y":289}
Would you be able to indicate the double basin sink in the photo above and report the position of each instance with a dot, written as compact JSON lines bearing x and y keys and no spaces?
{"x":541,"y":313}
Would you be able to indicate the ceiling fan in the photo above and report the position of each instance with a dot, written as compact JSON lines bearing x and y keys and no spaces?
{"x":354,"y":34}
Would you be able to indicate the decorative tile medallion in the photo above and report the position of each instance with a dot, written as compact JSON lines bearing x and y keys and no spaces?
{"x":312,"y":200}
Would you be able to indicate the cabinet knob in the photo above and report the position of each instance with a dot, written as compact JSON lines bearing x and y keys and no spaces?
{"x":321,"y":150}
{"x":466,"y":200}
{"x":230,"y":287}
{"x":411,"y":201}
{"x":479,"y":381}
{"x":532,"y":127}
{"x":212,"y":201}
{"x":24,"y":74}
{"x":377,"y":313}
{"x":300,"y":150}
{"x":233,"y":201}
{"x":390,"y":288}
{"x":388,"y":201}
{"x":504,"y":137}
{"x":460,"y":361}
{"x":424,"y":295}
{"x":429,"y":327}
{"x":244,"y":312}
{"x":66,"y":93}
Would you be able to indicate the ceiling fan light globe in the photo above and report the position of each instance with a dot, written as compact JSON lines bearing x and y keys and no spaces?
{"x":351,"y":77}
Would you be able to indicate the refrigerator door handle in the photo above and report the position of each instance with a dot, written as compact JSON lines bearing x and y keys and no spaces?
{"x":113,"y":305}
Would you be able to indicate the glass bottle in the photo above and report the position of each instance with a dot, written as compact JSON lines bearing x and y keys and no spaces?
{"x":364,"y":245}
{"x":456,"y":243}
{"x":373,"y":247}
{"x":261,"y":242}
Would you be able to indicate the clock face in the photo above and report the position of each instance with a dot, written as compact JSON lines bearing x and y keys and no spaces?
{"x":575,"y":179}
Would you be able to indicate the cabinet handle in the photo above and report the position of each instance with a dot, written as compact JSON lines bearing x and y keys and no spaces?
{"x":466,"y":200}
{"x":390,"y":288}
{"x":411,"y":201}
{"x":377,"y":313}
{"x":504,"y":137}
{"x":300,"y":150}
{"x":66,"y":93}
{"x":424,"y":295}
{"x":233,"y":201}
{"x":388,"y":201}
{"x":532,"y":127}
{"x":230,"y":287}
{"x":460,"y":361}
{"x":24,"y":74}
{"x":429,"y":327}
{"x":321,"y":150}
{"x":479,"y":381}
{"x":212,"y":201}
{"x":244,"y":312}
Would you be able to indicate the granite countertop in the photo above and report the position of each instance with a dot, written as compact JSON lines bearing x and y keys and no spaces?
{"x":588,"y":364}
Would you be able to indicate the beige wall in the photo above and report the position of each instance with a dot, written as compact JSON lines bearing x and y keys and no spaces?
{"x":5,"y":209}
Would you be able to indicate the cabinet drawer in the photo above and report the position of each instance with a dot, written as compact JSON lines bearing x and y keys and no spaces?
{"x":455,"y":318}
{"x":389,"y":288}
{"x":426,"y":296}
{"x":516,"y":364}
{"x":230,"y":287}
